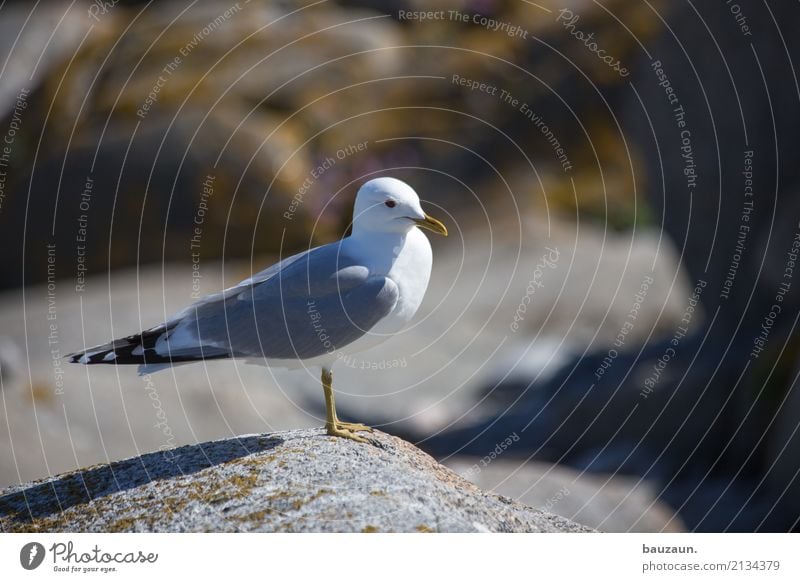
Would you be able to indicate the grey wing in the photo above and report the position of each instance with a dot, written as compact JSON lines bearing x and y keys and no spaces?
{"x":273,"y":270}
{"x":260,"y":277}
{"x":318,"y":303}
{"x":304,"y":326}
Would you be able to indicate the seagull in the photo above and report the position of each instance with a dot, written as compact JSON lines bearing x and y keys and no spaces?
{"x":309,"y":309}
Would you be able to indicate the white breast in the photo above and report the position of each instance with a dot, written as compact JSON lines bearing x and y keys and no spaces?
{"x":408,"y":263}
{"x":411,"y":272}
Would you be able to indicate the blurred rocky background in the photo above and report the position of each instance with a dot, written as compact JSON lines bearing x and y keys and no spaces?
{"x":600,"y":338}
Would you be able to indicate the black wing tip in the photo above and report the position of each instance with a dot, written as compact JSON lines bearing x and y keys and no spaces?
{"x":123,"y":356}
{"x":122,"y":349}
{"x":91,"y":356}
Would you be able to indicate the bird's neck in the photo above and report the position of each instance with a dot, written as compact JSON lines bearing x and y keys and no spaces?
{"x":382,"y":238}
{"x":380,"y":246}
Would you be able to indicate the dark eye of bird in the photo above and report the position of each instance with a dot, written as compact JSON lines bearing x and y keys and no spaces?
{"x":390,"y":203}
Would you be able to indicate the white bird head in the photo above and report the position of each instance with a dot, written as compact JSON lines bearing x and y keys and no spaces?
{"x":391,"y":205}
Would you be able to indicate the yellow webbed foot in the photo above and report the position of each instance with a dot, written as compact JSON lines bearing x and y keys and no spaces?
{"x":345,"y":433}
{"x":353,"y":426}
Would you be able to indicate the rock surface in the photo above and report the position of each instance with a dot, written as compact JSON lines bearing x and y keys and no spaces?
{"x":298,"y":481}
{"x":612,"y":503}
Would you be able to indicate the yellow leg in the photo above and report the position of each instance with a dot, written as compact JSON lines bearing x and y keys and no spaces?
{"x":333,"y":425}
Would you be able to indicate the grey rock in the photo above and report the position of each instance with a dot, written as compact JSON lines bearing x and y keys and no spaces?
{"x":610,"y":503}
{"x":297,"y":481}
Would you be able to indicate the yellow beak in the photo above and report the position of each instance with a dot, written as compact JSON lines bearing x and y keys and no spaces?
{"x":431,"y":224}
